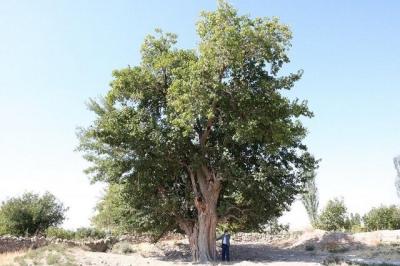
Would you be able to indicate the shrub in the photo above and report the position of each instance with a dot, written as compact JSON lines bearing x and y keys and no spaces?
{"x":57,"y":232}
{"x":353,"y":223}
{"x":382,"y":218}
{"x":30,"y":214}
{"x":333,"y":217}
{"x":92,"y":233}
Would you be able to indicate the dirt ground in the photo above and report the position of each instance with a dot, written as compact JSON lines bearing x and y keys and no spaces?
{"x":299,"y":249}
{"x":243,"y":254}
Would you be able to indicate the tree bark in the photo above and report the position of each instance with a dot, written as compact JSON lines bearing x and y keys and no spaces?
{"x":202,"y":232}
{"x":206,"y":237}
{"x":192,"y":231}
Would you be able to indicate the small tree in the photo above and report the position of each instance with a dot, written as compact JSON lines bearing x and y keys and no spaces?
{"x":382,"y":218}
{"x":310,"y":198}
{"x":396,"y":161}
{"x":353,"y":222}
{"x":30,"y":214}
{"x":333,"y":217}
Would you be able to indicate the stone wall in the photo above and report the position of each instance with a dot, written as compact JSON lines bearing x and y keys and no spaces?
{"x":12,"y":243}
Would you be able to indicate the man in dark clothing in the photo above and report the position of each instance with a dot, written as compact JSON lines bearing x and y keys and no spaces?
{"x":225,"y":245}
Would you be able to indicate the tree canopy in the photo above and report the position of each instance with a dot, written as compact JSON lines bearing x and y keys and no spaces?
{"x":114,"y":213}
{"x":204,"y":136}
{"x":30,"y":214}
{"x":333,"y":217}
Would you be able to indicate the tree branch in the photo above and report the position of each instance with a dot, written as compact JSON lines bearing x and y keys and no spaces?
{"x":206,"y":132}
{"x":166,"y":230}
{"x":198,"y":199}
{"x":192,"y":179}
{"x":185,"y":224}
{"x":225,"y":219}
{"x":230,"y":213}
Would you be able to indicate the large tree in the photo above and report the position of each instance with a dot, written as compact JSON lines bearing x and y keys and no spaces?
{"x":205,"y":136}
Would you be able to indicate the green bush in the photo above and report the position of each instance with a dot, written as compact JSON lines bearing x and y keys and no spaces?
{"x":382,"y":218}
{"x":353,"y":223}
{"x":91,"y":233}
{"x":57,"y":232}
{"x":80,"y":233}
{"x":333,"y":217}
{"x":30,"y":214}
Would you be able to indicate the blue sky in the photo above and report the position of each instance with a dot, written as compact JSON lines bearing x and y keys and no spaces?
{"x":54,"y":55}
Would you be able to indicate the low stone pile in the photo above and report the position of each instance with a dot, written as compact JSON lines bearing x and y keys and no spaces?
{"x":100,"y":245}
{"x":12,"y":243}
{"x":258,"y":237}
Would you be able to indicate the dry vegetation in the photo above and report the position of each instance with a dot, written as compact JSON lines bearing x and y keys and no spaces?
{"x":8,"y":258}
{"x":53,"y":254}
{"x":300,"y":249}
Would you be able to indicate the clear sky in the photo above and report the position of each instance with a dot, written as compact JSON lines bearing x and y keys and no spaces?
{"x":54,"y":55}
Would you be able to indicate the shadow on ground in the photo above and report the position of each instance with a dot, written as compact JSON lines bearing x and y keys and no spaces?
{"x":314,"y":250}
{"x":251,"y":252}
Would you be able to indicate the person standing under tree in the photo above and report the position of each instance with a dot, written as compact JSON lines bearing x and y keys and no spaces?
{"x":225,"y":245}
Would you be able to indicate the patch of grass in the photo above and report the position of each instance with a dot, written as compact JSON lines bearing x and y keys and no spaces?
{"x":7,"y":259}
{"x":49,"y":255}
{"x":53,"y":258}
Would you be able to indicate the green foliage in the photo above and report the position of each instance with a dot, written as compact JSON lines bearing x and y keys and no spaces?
{"x":89,"y":233}
{"x":333,"y":217}
{"x":30,"y":214}
{"x":353,"y":223}
{"x":382,"y":218}
{"x":80,"y":233}
{"x":57,"y":232}
{"x":310,"y":198}
{"x":114,"y":213}
{"x":218,"y":110}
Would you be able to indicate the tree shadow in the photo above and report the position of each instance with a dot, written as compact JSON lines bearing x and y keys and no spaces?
{"x":251,"y":252}
{"x":316,"y":250}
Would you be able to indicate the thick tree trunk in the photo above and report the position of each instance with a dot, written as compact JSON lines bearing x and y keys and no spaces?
{"x":202,"y":233}
{"x":206,"y":238}
{"x":192,"y":231}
